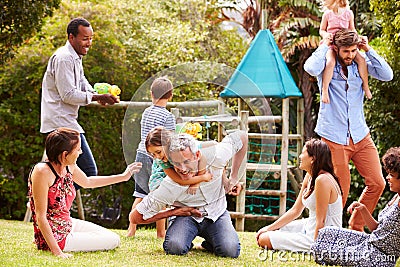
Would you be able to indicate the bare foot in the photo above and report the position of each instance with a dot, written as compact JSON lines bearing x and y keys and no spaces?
{"x":161,"y":235}
{"x":131,"y":230}
{"x":198,"y":246}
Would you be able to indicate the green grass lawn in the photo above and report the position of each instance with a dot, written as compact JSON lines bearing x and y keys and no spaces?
{"x":17,"y":249}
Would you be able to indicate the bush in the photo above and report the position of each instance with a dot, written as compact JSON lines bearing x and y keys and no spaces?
{"x":133,"y":41}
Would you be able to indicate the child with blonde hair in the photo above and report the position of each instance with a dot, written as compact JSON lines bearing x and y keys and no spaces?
{"x":338,"y":15}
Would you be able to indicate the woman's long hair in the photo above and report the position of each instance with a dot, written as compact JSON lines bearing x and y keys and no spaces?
{"x":322,"y":161}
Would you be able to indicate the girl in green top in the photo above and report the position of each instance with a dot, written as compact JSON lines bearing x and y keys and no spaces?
{"x":161,"y":166}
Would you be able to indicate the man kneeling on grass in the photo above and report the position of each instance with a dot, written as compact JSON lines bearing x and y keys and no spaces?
{"x":205,"y":213}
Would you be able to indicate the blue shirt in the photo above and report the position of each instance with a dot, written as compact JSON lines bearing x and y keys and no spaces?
{"x":344,"y":116}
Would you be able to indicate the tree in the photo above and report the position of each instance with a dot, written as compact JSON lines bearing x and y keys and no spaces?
{"x":365,"y":22}
{"x":382,"y":111}
{"x":20,"y":20}
{"x":250,"y":14}
{"x":296,"y":32}
{"x":134,"y":40}
{"x":294,"y":24}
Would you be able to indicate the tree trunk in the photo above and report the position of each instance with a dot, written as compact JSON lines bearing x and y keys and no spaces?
{"x":307,"y":87}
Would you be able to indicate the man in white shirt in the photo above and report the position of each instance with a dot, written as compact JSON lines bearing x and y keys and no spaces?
{"x":205,"y":213}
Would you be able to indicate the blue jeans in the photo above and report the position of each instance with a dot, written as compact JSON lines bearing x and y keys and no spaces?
{"x":220,"y":236}
{"x":142,"y":177}
{"x":86,"y":160}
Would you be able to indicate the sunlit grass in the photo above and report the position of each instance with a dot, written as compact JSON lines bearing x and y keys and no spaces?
{"x":17,"y":249}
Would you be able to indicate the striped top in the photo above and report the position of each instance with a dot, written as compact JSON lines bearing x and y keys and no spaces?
{"x":154,"y":116}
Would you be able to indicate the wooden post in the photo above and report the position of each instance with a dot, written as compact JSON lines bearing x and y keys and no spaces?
{"x":284,"y":155}
{"x":175,"y":112}
{"x":300,"y":126}
{"x":241,"y":199}
{"x":241,"y":106}
{"x":221,"y":110}
{"x":79,"y":204}
{"x":28,"y":213}
{"x":264,"y":19}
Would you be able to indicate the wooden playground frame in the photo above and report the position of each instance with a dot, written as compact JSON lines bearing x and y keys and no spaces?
{"x":242,"y":121}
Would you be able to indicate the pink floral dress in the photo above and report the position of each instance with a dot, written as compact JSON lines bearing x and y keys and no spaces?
{"x":60,"y":197}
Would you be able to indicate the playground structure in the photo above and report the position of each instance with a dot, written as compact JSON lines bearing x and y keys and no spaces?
{"x":262,"y":75}
{"x":280,"y":171}
{"x":281,"y":168}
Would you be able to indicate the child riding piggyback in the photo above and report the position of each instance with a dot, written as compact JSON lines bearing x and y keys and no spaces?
{"x":338,"y":15}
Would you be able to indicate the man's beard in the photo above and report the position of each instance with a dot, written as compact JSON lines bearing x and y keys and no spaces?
{"x":347,"y":61}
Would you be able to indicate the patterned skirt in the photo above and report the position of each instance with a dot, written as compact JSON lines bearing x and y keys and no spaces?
{"x":344,"y":247}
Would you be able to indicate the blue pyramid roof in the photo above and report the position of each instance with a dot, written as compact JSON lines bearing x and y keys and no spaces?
{"x":262,"y":72}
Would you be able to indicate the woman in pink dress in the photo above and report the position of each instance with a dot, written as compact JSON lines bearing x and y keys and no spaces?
{"x":51,"y":193}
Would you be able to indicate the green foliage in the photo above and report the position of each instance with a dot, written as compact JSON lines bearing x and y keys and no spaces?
{"x":382,"y":112}
{"x":365,"y":21}
{"x":20,"y":20}
{"x":21,"y":144}
{"x":134,"y":40}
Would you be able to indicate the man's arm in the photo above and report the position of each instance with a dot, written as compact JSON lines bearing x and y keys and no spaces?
{"x":136,"y":218}
{"x":151,"y":208}
{"x":64,"y":78}
{"x":236,"y":162}
{"x":315,"y":64}
{"x":65,"y":72}
{"x":377,"y":66}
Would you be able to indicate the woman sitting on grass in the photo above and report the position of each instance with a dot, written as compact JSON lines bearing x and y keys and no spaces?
{"x":52,"y":192}
{"x":320,"y":194}
{"x":344,"y":247}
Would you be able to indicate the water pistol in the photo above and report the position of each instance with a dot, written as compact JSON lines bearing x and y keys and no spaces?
{"x":194,"y":129}
{"x":106,"y":88}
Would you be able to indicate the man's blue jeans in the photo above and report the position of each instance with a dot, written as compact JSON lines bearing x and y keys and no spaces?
{"x":220,"y":236}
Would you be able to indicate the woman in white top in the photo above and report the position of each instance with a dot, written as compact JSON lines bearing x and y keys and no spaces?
{"x":320,"y":194}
